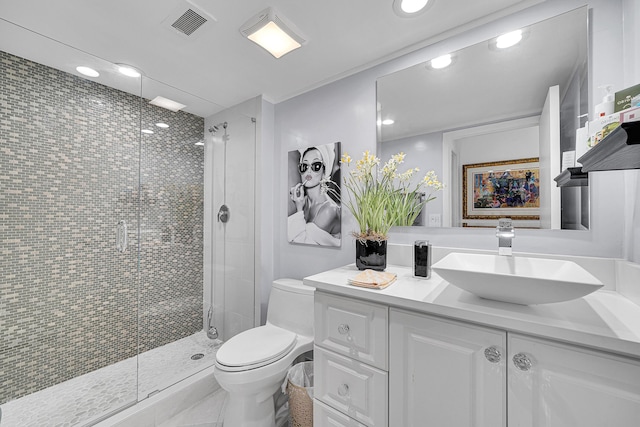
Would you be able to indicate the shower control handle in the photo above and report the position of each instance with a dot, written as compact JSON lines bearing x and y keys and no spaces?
{"x":223,"y":214}
{"x":121,"y":236}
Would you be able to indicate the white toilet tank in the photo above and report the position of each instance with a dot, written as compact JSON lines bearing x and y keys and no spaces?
{"x":291,"y":306}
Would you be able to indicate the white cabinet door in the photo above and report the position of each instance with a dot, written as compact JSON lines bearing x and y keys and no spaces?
{"x":439,"y":374}
{"x":557,"y":385}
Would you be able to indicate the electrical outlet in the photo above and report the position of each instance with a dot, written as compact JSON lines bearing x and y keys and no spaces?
{"x":434,"y":220}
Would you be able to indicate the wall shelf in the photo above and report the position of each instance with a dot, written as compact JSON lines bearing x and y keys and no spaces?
{"x":572,"y":177}
{"x":617,"y":151}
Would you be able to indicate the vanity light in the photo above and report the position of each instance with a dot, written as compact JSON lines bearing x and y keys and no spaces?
{"x":128,"y":70}
{"x":269,"y":30}
{"x":410,"y":8}
{"x":89,"y":72}
{"x":441,"y":61}
{"x":509,"y":39}
{"x":162,"y":125}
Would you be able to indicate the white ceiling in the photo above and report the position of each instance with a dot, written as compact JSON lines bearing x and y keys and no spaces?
{"x":217,"y":64}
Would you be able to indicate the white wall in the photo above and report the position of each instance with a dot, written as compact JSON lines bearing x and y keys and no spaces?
{"x":423,"y":152}
{"x":482,"y":148}
{"x":346,"y":111}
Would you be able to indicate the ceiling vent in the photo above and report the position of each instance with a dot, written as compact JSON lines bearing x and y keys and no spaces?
{"x":188,"y":20}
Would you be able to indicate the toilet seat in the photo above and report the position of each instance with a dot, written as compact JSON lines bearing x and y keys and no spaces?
{"x":255,"y":348}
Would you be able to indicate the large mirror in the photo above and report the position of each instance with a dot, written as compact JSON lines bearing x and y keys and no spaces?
{"x":494,"y":125}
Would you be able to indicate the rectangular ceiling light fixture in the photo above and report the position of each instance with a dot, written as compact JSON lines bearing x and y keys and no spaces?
{"x":167,"y":103}
{"x":269,"y":30}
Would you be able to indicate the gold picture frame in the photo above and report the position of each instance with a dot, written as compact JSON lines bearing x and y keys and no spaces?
{"x":508,"y":188}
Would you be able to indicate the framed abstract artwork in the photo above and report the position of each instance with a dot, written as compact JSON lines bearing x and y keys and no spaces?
{"x":509,"y":188}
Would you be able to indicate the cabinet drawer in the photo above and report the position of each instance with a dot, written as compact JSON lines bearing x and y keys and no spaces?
{"x":356,"y":329}
{"x":325,"y":416}
{"x":353,"y":388}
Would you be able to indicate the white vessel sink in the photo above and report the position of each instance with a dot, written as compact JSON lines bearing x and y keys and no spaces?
{"x":515,"y":279}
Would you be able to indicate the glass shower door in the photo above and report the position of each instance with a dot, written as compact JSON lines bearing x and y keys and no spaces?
{"x":68,"y":214}
{"x":231,"y":151}
{"x":172,"y":343}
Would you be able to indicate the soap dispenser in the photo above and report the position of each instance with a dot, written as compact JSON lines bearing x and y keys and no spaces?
{"x":606,"y":106}
{"x":422,"y":259}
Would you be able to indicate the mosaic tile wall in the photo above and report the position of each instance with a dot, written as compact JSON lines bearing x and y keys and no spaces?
{"x":69,"y":151}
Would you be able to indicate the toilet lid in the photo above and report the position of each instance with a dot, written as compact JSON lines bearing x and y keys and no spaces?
{"x":255,"y":347}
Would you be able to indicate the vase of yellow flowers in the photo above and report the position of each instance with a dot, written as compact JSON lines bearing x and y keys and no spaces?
{"x":381,"y":199}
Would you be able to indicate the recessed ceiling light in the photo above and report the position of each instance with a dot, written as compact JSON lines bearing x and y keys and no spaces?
{"x":128,"y":70}
{"x":148,"y":131}
{"x":167,"y":103}
{"x":199,"y":143}
{"x":162,"y":125}
{"x":269,"y":30}
{"x":410,"y":8}
{"x":89,"y":72}
{"x":441,"y":61}
{"x":388,"y":122}
{"x":509,"y":39}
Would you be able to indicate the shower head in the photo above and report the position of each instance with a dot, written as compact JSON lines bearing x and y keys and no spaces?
{"x":214,"y":128}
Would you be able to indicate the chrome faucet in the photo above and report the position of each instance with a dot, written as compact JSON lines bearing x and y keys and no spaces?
{"x":505,"y":234}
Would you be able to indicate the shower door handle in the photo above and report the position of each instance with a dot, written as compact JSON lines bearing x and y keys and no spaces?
{"x":121,"y":236}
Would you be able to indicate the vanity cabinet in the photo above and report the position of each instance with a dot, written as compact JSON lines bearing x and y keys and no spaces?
{"x":378,"y":366}
{"x":446,"y":372}
{"x":425,"y":353}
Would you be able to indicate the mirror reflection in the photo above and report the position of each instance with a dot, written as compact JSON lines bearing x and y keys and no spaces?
{"x":493,"y":120}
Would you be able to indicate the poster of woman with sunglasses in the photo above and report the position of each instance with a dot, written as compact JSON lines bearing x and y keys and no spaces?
{"x":314,"y":196}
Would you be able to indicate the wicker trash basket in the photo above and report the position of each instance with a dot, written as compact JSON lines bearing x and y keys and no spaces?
{"x":300,"y":392}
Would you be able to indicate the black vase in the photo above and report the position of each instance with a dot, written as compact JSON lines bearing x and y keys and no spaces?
{"x":371,"y":254}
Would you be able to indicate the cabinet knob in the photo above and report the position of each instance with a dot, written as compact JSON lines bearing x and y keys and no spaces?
{"x":492,"y":354}
{"x":343,"y":390}
{"x":522,"y":362}
{"x":343,"y":329}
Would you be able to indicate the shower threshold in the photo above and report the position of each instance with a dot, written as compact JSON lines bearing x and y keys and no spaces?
{"x":89,"y":398}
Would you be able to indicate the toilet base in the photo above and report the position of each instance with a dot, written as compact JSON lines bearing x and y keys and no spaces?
{"x":249,"y":411}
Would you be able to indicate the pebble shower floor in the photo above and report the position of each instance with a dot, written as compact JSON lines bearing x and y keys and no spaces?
{"x":85,"y":399}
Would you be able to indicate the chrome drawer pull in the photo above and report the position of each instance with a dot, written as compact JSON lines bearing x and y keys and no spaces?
{"x":343,"y":329}
{"x":492,"y":354}
{"x":522,"y":362}
{"x":343,"y":390}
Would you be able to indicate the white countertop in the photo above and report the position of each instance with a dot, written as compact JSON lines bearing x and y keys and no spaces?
{"x":604,"y":320}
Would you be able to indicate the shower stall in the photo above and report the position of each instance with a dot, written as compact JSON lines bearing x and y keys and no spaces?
{"x":114,"y":266}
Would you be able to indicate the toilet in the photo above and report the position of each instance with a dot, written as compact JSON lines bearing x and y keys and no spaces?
{"x":252,"y":365}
